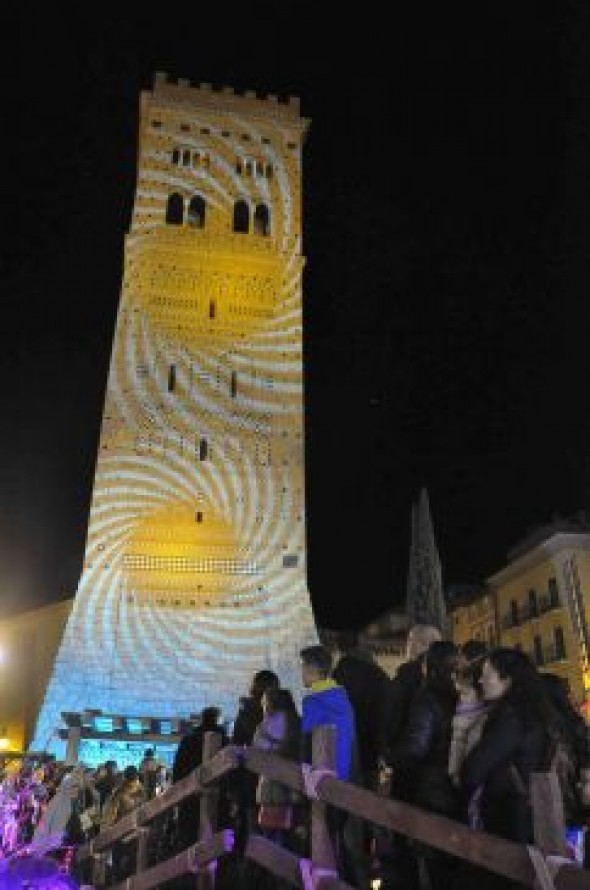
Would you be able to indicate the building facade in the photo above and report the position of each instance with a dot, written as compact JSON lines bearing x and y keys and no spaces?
{"x":542,"y":600}
{"x":194,"y":574}
{"x":28,"y":646}
{"x":473,"y":616}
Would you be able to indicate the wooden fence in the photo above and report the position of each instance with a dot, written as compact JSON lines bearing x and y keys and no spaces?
{"x":541,"y":866}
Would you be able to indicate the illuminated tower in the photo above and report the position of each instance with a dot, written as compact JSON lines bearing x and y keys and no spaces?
{"x":195,"y":567}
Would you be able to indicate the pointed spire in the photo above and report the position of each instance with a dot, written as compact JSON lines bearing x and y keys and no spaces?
{"x":425,"y":602}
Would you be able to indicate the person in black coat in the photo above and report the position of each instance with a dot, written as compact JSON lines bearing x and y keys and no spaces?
{"x":189,"y":755}
{"x":419,"y":762}
{"x":404,"y":686}
{"x":366,"y":684}
{"x":575,"y":741}
{"x":514,"y":742}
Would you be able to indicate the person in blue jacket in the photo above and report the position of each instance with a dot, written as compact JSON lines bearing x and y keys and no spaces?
{"x":325,"y":703}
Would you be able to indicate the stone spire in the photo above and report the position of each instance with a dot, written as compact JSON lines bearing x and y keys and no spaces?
{"x":425,"y":602}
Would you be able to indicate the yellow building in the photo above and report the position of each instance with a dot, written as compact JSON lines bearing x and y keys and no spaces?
{"x":28,"y":644}
{"x":542,"y":604}
{"x":473,"y":617}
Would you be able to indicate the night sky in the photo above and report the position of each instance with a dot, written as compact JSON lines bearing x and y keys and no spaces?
{"x":446,"y":294}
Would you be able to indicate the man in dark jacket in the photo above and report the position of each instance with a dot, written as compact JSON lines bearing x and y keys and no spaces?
{"x":366,"y":684}
{"x":189,"y":755}
{"x":404,"y":686}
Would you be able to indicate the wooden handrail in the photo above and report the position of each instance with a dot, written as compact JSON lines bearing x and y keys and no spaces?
{"x":488,"y":851}
{"x":192,"y":859}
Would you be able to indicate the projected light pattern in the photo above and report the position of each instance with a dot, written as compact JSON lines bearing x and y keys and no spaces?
{"x":195,"y":572}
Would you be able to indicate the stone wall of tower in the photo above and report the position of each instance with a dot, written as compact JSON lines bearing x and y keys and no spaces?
{"x":195,"y":566}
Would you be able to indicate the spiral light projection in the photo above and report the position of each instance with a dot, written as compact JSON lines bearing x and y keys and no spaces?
{"x":194,"y":573}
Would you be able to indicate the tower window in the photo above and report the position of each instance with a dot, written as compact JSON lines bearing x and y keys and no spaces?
{"x":175,"y":156}
{"x":269,"y":171}
{"x":234,"y":384}
{"x":241,"y":217}
{"x":559,"y":642}
{"x":513,"y":612}
{"x":199,"y":516}
{"x":203,"y":449}
{"x":261,"y":220}
{"x":186,"y":157}
{"x":539,"y":660}
{"x":259,"y":168}
{"x":175,"y":210}
{"x":172,"y":378}
{"x":196,"y":212}
{"x":212,"y":309}
{"x":249,"y":168}
{"x":239,"y":167}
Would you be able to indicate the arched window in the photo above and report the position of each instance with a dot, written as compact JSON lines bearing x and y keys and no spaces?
{"x":196,"y":212}
{"x":261,"y":220}
{"x":175,"y":156}
{"x":186,"y":157}
{"x":249,"y":168}
{"x":241,"y":217}
{"x":175,"y":210}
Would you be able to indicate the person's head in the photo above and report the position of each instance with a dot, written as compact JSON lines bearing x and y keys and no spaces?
{"x":474,"y":649}
{"x":210,"y":717}
{"x":261,"y":681}
{"x":130,"y":774}
{"x":275,"y":700}
{"x":346,"y":640}
{"x":509,"y":674}
{"x":440,"y":662}
{"x":149,"y":753}
{"x":469,"y":668}
{"x":316,"y":664}
{"x":420,"y":638}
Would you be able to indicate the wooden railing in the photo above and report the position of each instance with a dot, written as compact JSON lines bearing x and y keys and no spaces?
{"x":515,"y":861}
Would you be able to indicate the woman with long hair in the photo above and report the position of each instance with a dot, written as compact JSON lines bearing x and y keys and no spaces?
{"x":514,"y":743}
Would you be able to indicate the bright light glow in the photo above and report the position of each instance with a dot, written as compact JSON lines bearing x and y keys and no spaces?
{"x":376,"y":883}
{"x":4,"y":744}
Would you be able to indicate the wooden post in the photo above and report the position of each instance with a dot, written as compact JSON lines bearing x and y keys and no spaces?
{"x":208,"y":812}
{"x":99,"y":868}
{"x":323,"y":755}
{"x":141,"y":862}
{"x":548,"y":815}
{"x":73,"y":745}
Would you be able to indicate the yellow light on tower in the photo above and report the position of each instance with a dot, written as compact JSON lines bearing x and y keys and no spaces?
{"x":4,"y":744}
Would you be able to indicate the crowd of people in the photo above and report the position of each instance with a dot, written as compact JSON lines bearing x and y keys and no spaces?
{"x":458,"y":732}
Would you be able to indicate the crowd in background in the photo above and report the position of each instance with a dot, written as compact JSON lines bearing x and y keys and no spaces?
{"x":457,"y":732}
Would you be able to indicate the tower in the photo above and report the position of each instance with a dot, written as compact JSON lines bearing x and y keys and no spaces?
{"x":425,"y":602}
{"x":194,"y":574}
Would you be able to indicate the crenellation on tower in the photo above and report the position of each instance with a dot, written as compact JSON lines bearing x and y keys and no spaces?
{"x":226,"y":98}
